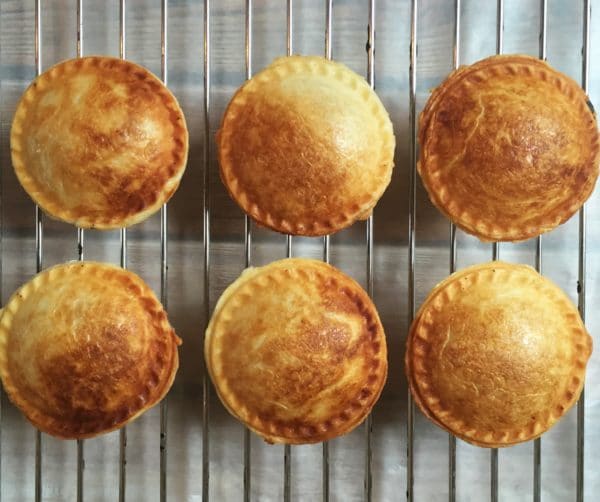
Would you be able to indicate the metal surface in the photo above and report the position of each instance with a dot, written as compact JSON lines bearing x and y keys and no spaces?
{"x":206,"y":252}
{"x":537,"y":444}
{"x":164,"y":258}
{"x":412,"y":214}
{"x":406,"y":249}
{"x":248,"y":257}
{"x":326,"y":246}
{"x":496,"y":252}
{"x":39,"y":240}
{"x":452,"y":438}
{"x":287,"y":449}
{"x":369,"y":272}
{"x":582,"y":275}
{"x":123,"y":263}
{"x":80,"y":257}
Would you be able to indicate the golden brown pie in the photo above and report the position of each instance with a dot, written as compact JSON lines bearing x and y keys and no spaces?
{"x":296,"y":351}
{"x":509,"y":148}
{"x":85,"y":348}
{"x":99,"y":142}
{"x":306,"y":147}
{"x":496,"y":354}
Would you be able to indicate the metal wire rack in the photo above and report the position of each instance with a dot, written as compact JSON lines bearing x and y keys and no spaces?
{"x":408,"y":244}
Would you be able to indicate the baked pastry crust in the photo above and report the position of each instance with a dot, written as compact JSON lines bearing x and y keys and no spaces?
{"x":306,"y":146}
{"x":509,"y":148}
{"x":496,"y":354}
{"x":99,"y":142}
{"x":296,"y":351}
{"x":85,"y":348}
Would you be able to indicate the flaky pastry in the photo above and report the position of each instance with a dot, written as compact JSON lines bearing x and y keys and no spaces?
{"x":85,"y":348}
{"x":296,"y":351}
{"x":496,"y":354}
{"x":99,"y":142}
{"x":509,"y":148}
{"x":306,"y":146}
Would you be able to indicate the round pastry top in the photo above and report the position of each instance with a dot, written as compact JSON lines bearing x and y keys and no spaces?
{"x":296,"y":351}
{"x":84,"y":348}
{"x":509,"y":148}
{"x":306,"y":147}
{"x":497,"y":354}
{"x":99,"y":142}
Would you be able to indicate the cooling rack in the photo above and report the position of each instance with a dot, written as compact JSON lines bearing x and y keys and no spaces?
{"x":188,"y":448}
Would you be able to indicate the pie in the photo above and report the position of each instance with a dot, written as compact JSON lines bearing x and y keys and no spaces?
{"x":508,"y":148}
{"x":496,"y":354}
{"x":306,"y":147}
{"x":99,"y":142}
{"x":85,"y":348}
{"x":296,"y":351}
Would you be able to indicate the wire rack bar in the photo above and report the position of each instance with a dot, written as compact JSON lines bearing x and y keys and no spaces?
{"x":326,"y":244}
{"x":80,"y":469}
{"x":585,"y":76}
{"x":328,"y":27}
{"x":123,"y":262}
{"x":287,"y":449}
{"x":289,"y":52}
{"x":496,"y":252}
{"x":80,"y":232}
{"x":537,"y":444}
{"x":164,"y":257}
{"x":412,"y":209}
{"x":369,"y":264}
{"x":248,"y":256}
{"x":206,"y":245}
{"x":39,"y":241}
{"x":451,"y":437}
{"x":80,"y":257}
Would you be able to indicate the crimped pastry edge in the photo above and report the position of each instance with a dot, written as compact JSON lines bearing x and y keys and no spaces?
{"x":53,"y":208}
{"x":279,"y":69}
{"x":51,"y":425}
{"x":490,"y":439}
{"x":344,"y":421}
{"x":494,"y":66}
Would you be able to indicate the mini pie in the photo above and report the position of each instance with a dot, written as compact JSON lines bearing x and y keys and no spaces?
{"x":296,"y":351}
{"x":509,"y":148}
{"x":496,"y":354}
{"x":306,"y":147}
{"x":99,"y":142}
{"x":85,"y":348}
